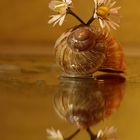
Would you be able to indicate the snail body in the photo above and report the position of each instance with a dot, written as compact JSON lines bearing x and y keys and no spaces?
{"x":81,"y":51}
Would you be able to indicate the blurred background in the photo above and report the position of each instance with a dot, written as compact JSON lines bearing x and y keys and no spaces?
{"x":28,"y":82}
{"x":24,"y":27}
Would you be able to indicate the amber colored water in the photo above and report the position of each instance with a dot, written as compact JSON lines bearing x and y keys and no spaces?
{"x":29,"y":86}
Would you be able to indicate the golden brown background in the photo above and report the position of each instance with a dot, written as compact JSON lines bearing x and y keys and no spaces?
{"x":28,"y":82}
{"x":25,"y":21}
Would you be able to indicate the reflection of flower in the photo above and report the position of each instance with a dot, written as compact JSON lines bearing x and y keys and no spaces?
{"x":61,"y":8}
{"x":106,"y":13}
{"x":54,"y":135}
{"x":107,"y":134}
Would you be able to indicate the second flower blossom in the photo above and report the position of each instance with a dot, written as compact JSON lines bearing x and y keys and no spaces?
{"x":106,"y":13}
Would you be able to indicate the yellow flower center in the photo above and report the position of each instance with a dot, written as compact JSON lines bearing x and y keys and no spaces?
{"x":103,"y":11}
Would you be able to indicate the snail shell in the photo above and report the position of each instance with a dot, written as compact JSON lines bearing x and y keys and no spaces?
{"x":81,"y":51}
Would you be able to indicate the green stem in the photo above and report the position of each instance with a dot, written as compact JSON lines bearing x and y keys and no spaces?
{"x":74,"y":134}
{"x":69,"y":11}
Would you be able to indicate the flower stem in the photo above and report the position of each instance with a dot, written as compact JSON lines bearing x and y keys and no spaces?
{"x":69,"y":11}
{"x":74,"y":134}
{"x":91,"y":19}
{"x":92,"y":136}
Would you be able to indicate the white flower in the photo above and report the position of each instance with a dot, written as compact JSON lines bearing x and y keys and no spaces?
{"x":60,"y":7}
{"x":57,"y":19}
{"x":107,"y":134}
{"x":54,"y":135}
{"x":106,"y":13}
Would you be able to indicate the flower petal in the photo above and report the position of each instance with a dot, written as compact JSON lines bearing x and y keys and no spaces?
{"x":100,"y":2}
{"x":108,"y":2}
{"x":53,"y":4}
{"x":68,"y":1}
{"x":107,"y":25}
{"x":108,"y":16}
{"x":107,"y":134}
{"x":112,"y":4}
{"x":114,"y":10}
{"x":96,"y":2}
{"x":100,"y":133}
{"x":57,"y":18}
{"x":54,"y":18}
{"x":56,"y":22}
{"x":95,"y":15}
{"x":62,"y":20}
{"x":59,"y":6}
{"x":59,"y":134}
{"x":54,"y":135}
{"x":101,"y":23}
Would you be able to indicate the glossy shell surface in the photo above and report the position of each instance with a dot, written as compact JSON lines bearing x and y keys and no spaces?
{"x":81,"y":51}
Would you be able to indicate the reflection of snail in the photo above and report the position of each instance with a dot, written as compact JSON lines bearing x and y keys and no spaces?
{"x":85,"y":102}
{"x":81,"y":51}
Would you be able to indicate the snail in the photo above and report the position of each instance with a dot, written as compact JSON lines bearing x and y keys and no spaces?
{"x":83,"y":50}
{"x":85,"y":102}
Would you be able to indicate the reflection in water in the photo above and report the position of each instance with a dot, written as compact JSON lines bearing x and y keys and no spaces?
{"x":85,"y":102}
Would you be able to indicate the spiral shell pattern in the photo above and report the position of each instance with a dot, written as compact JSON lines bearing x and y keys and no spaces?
{"x":83,"y":60}
{"x":82,"y":39}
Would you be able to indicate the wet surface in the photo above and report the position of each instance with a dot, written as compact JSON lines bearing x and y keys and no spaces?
{"x":33,"y":97}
